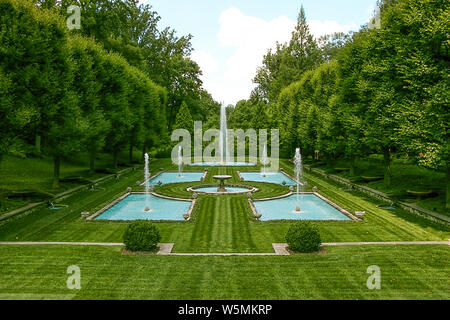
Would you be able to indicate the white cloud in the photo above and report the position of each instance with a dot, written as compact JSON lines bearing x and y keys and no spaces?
{"x":319,"y":28}
{"x":206,"y":61}
{"x":231,"y":80}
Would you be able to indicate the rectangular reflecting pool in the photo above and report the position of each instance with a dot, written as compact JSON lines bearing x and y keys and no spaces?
{"x":311,"y":208}
{"x":271,"y":177}
{"x":133,"y":208}
{"x":173,"y":177}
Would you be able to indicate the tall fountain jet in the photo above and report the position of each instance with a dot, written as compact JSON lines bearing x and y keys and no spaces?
{"x":180,"y":162}
{"x":147,"y":183}
{"x":223,"y":138}
{"x":298,"y":174}
{"x":264,"y":160}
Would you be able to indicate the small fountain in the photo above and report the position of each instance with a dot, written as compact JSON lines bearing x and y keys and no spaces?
{"x":222,"y":179}
{"x":223,"y":138}
{"x":180,"y":163}
{"x":147,"y":183}
{"x":298,"y":175}
{"x":264,"y":161}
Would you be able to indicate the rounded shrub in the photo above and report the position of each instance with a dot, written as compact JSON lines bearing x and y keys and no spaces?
{"x":303,"y":237}
{"x":141,"y":236}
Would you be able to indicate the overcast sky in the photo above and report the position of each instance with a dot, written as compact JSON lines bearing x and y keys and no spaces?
{"x":232,"y":36}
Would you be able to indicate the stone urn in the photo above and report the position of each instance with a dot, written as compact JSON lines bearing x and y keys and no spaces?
{"x":291,"y":189}
{"x":138,"y":183}
{"x":249,"y":195}
{"x":129,"y":189}
{"x":85,"y":214}
{"x":186,"y":216}
{"x":195,"y":196}
{"x":258,"y":216}
{"x":315,"y":189}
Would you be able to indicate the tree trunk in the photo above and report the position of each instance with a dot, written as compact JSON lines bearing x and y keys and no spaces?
{"x":37,"y":144}
{"x":131,"y":153}
{"x":115,"y":158}
{"x":447,"y":201}
{"x":387,"y":167}
{"x":56,"y":171}
{"x":92,"y":161}
{"x":352,"y":166}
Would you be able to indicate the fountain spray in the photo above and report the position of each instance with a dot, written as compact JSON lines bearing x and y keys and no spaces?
{"x":298,"y":174}
{"x":180,"y":162}
{"x":147,"y":183}
{"x":264,"y":161}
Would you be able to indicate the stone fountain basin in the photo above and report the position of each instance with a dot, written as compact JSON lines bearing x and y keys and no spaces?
{"x":222,"y":177}
{"x":231,"y":189}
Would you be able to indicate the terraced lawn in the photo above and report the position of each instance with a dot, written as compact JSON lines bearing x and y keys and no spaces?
{"x":411,"y":272}
{"x":220,"y":223}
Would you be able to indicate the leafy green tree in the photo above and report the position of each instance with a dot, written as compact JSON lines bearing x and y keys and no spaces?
{"x":184,"y":119}
{"x":87,"y":57}
{"x":288,"y":63}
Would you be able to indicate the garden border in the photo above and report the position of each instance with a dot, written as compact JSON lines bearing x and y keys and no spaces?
{"x":63,"y":195}
{"x":378,"y":195}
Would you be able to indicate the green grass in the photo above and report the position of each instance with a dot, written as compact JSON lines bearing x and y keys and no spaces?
{"x":407,"y":272}
{"x":18,"y":174}
{"x":405,"y":176}
{"x":220,"y":223}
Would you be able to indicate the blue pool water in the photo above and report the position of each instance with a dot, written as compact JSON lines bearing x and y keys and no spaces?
{"x":132,"y":208}
{"x":229,"y":189}
{"x":172,"y":177}
{"x":272,"y":177}
{"x":227,"y":164}
{"x":312,"y":208}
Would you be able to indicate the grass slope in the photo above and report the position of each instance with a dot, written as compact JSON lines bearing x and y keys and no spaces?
{"x":411,"y":272}
{"x":220,"y":223}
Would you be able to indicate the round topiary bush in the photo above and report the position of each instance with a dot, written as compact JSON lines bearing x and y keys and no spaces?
{"x":303,"y":237}
{"x":141,"y":236}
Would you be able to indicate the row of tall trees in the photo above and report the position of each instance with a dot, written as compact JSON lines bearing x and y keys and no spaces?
{"x":69,"y":91}
{"x":382,"y":90}
{"x":117,"y":82}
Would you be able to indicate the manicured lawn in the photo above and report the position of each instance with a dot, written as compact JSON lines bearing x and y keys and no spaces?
{"x":411,"y":272}
{"x":220,"y":223}
{"x":36,"y":174}
{"x":405,"y":176}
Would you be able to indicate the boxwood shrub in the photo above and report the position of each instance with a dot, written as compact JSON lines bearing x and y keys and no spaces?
{"x":141,"y":236}
{"x":303,"y":237}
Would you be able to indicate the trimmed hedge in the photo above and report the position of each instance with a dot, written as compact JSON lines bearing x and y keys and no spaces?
{"x":303,"y":237}
{"x":141,"y":236}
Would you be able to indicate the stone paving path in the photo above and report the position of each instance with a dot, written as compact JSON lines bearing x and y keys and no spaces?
{"x":280,"y":249}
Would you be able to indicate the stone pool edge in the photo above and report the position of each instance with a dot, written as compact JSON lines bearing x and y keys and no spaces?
{"x":251,"y":189}
{"x":331,"y":203}
{"x":112,"y":204}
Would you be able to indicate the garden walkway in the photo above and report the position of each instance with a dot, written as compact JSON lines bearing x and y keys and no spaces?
{"x":280,"y":249}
